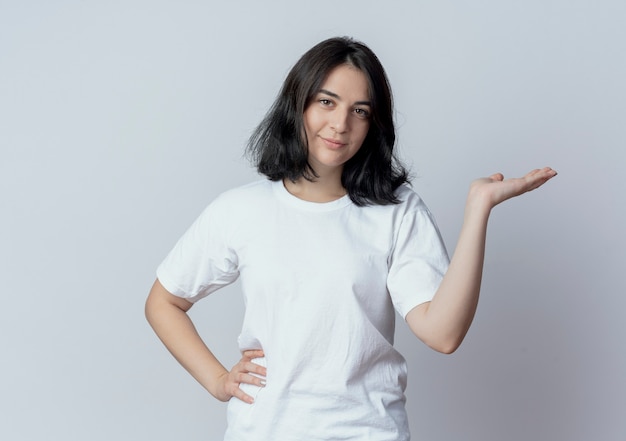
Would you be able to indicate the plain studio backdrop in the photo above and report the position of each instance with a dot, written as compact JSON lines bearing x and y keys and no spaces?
{"x":121,"y":120}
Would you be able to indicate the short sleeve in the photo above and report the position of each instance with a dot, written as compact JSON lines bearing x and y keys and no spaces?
{"x":418,"y":261}
{"x":201,"y":261}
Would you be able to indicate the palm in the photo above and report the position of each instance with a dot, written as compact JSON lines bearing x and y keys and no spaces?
{"x":495,"y":189}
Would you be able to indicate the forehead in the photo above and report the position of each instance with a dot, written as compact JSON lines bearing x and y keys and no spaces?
{"x":347,"y":81}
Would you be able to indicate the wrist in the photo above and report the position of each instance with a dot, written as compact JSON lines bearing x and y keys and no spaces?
{"x":214,"y":382}
{"x":478,"y":204}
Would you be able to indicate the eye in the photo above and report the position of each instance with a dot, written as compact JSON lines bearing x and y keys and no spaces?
{"x":362,"y":113}
{"x":325,"y":101}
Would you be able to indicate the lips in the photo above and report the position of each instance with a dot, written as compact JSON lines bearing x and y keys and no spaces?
{"x":333,"y":143}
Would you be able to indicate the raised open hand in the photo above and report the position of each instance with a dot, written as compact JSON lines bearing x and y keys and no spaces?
{"x":495,"y":189}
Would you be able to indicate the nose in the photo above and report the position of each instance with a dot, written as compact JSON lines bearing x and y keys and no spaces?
{"x":340,"y":121}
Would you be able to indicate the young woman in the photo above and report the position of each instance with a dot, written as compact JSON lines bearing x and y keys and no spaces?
{"x":327,"y":249}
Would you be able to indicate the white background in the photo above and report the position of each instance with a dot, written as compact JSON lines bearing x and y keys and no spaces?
{"x":121,"y":120}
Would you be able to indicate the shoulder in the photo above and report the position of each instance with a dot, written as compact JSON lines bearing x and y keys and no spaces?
{"x":236,"y":206}
{"x":410,"y":207}
{"x":249,"y":194}
{"x":255,"y":188}
{"x":409,"y":199}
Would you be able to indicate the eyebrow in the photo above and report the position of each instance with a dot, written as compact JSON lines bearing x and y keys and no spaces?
{"x":334,"y":95}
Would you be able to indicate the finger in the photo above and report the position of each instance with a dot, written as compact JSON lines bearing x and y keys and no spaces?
{"x":542,"y":172}
{"x":241,"y":395}
{"x":247,"y":378}
{"x":254,"y":368}
{"x":253,"y":353}
{"x":234,"y":386}
{"x":497,"y":177}
{"x":243,"y":368}
{"x":539,"y":178}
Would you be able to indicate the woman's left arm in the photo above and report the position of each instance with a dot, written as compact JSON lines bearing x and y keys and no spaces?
{"x":443,"y":322}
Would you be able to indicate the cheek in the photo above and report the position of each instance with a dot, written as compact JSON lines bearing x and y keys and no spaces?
{"x":308,"y":125}
{"x":363,"y":133}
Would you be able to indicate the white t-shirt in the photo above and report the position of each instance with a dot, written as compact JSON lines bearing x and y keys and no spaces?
{"x":320,"y":283}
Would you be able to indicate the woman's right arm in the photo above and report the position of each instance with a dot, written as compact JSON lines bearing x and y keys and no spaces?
{"x":167,"y":314}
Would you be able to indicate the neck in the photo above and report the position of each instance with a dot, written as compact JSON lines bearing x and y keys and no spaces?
{"x":325,"y":188}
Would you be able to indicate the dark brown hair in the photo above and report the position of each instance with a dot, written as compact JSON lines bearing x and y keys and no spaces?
{"x":279,"y":150}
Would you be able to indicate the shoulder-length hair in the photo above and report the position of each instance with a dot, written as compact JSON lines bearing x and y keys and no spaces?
{"x":279,"y":148}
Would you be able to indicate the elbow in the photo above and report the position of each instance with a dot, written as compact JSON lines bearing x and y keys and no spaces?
{"x":154,"y":307}
{"x":437,"y":334}
{"x":446,"y":350}
{"x":161,"y":304}
{"x":149,"y":310}
{"x":446,"y":346}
